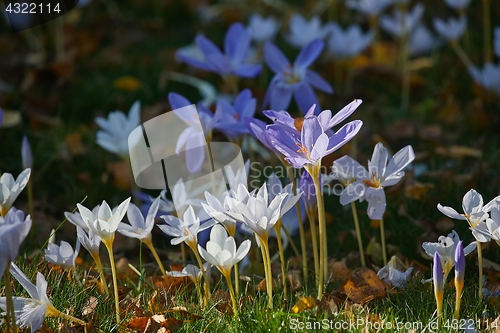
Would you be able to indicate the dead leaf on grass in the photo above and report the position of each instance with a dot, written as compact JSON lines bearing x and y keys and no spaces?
{"x":364,"y":285}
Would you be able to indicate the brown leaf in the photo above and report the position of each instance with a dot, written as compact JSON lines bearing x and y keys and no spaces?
{"x":364,"y":285}
{"x":185,"y":313}
{"x":74,"y":144}
{"x":89,"y":307}
{"x":139,"y":323}
{"x":339,"y":269}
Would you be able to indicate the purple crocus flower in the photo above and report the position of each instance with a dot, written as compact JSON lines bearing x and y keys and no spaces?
{"x":258,"y":129}
{"x":261,"y":28}
{"x":402,"y":23}
{"x":313,"y":143}
{"x":303,"y":31}
{"x":459,"y":263}
{"x":297,"y":79}
{"x":26,"y":154}
{"x":232,"y":61}
{"x":231,"y":121}
{"x":438,"y":279}
{"x":306,"y":186}
{"x":325,"y":117}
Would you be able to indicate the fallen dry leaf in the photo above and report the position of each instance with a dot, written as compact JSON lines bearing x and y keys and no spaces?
{"x":364,"y":285}
{"x":127,"y":83}
{"x":338,"y":269}
{"x":89,"y":307}
{"x":305,"y":303}
{"x":293,"y":278}
{"x":459,"y":151}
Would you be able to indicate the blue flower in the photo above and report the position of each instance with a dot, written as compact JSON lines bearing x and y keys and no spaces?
{"x":488,"y":77}
{"x":232,"y":116}
{"x":232,"y":61}
{"x":452,"y":29}
{"x":348,"y":43}
{"x":302,"y":32}
{"x":369,"y":7}
{"x":263,"y":29}
{"x":297,"y":79}
{"x":402,"y":23}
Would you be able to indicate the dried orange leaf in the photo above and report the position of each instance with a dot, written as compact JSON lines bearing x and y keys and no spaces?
{"x":127,"y":83}
{"x":364,"y":285}
{"x":305,"y":303}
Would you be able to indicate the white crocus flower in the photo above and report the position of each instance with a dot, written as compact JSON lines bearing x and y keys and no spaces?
{"x":90,"y":241}
{"x":185,"y":230}
{"x":190,"y":271}
{"x":262,"y":29}
{"x":77,"y":220}
{"x":303,"y":31}
{"x":473,"y":212}
{"x":380,"y":174}
{"x":217,"y":210}
{"x":492,"y":224}
{"x":62,"y":255}
{"x":445,"y":247}
{"x":31,"y":312}
{"x":348,"y":171}
{"x":221,"y":250}
{"x":257,"y":212}
{"x":394,"y":277}
{"x":10,"y":189}
{"x":369,"y":7}
{"x":139,"y":227}
{"x":13,"y":230}
{"x":452,"y":29}
{"x":402,"y":23}
{"x":106,"y":222}
{"x":275,"y":189}
{"x":222,"y":253}
{"x":116,"y":129}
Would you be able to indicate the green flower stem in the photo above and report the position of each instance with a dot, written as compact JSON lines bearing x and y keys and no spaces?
{"x":311,"y":214}
{"x":487,"y":30}
{"x":461,"y":54}
{"x":264,"y":248}
{"x":51,"y":311}
{"x":227,"y":275}
{"x":203,"y":273}
{"x":291,"y":176}
{"x":98,"y":263}
{"x":382,"y":240}
{"x":314,"y":172}
{"x":277,"y":229}
{"x":10,"y":316}
{"x":149,"y":244}
{"x":480,"y":264}
{"x":358,"y":233}
{"x":109,"y":246}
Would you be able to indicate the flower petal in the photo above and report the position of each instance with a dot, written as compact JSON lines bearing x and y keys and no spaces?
{"x":376,"y":202}
{"x":309,"y":54}
{"x":318,"y":82}
{"x":275,"y":59}
{"x":450,"y":212}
